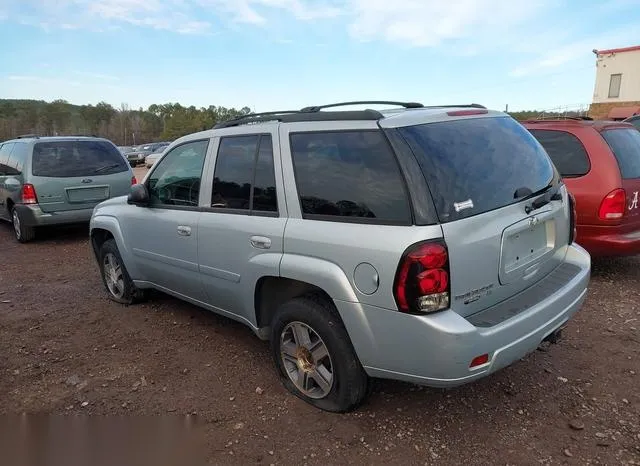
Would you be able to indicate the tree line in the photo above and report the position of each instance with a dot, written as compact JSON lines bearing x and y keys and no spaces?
{"x":123,"y":125}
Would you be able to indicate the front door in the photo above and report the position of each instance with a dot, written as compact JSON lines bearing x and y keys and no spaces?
{"x":164,"y":236}
{"x":241,"y":231}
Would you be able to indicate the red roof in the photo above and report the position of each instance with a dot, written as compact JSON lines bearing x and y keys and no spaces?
{"x":624,"y":49}
{"x":623,"y":112}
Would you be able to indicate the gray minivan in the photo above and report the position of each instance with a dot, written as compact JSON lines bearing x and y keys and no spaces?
{"x":58,"y":180}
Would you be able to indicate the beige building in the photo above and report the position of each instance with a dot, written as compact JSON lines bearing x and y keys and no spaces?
{"x":617,"y":91}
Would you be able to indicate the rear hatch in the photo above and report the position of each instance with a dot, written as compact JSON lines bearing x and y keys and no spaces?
{"x":625,"y":145}
{"x":503,"y":211}
{"x":78,"y":174}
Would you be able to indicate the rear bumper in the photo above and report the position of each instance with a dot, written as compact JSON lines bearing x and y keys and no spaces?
{"x":437,"y":350}
{"x":34,"y":216}
{"x":608,"y":241}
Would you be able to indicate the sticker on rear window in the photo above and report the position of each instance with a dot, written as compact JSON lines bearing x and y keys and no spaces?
{"x":468,"y":204}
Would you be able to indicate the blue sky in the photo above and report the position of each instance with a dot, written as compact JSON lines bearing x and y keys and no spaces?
{"x":281,"y":54}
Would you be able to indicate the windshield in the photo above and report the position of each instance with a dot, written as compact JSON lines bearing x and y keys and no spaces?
{"x":625,"y":144}
{"x":476,"y":165}
{"x":62,"y":159}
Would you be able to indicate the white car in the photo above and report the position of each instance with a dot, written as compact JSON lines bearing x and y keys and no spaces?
{"x":152,"y":158}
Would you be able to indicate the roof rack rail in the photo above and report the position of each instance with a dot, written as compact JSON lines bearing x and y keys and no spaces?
{"x":317,"y":108}
{"x":313,"y":113}
{"x":300,"y":116}
{"x":27,"y":136}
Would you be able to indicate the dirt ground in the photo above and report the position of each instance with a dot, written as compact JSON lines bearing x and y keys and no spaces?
{"x":65,"y":348}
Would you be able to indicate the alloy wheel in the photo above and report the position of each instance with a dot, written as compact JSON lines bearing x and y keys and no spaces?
{"x":113,"y":275}
{"x":306,"y":360}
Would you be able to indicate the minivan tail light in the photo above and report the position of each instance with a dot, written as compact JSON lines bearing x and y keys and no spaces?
{"x":133,"y":180}
{"x":422,"y":280}
{"x":613,"y":205}
{"x":29,"y":194}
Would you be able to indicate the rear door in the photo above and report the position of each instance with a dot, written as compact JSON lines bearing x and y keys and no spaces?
{"x":625,"y":145}
{"x":78,"y":174}
{"x":484,"y":173}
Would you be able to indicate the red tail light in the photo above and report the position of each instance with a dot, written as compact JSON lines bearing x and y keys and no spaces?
{"x":467,"y":112}
{"x":573,"y":232}
{"x":29,"y":194}
{"x":613,"y":205}
{"x":422,"y":280}
{"x":133,"y":180}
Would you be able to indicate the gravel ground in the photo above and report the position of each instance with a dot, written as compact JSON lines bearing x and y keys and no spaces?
{"x":67,"y":349}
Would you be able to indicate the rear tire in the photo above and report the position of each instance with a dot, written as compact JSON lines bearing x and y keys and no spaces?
{"x":314,"y":355}
{"x":115,"y":277}
{"x":23,"y":233}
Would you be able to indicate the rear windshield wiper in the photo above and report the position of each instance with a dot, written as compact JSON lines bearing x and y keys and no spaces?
{"x":548,"y":193}
{"x":106,"y":167}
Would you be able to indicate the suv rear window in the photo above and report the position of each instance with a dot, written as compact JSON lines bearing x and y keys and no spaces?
{"x":566,"y":151}
{"x":349,"y":176}
{"x":476,"y":165}
{"x":64,"y":159}
{"x":625,"y":144}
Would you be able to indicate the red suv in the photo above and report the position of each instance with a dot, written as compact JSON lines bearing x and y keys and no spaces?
{"x":600,"y":164}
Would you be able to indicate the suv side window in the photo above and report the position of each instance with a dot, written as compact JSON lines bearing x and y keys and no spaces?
{"x":244,"y":178}
{"x":566,"y":151}
{"x":175,"y":182}
{"x":349,"y":176}
{"x":18,"y":157}
{"x":5,"y":152}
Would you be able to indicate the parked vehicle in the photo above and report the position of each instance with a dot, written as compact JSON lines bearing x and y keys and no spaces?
{"x":426,"y":244}
{"x":58,"y":180}
{"x":126,"y":149}
{"x":634,"y":120}
{"x":600,"y":164}
{"x":138,"y":155}
{"x":153,"y":157}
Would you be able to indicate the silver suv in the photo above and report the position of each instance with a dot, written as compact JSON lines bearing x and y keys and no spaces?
{"x":58,"y":180}
{"x":427,"y":244}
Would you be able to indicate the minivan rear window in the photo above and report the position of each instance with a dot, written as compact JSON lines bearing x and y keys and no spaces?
{"x":64,"y":159}
{"x":476,"y":165}
{"x":625,"y":145}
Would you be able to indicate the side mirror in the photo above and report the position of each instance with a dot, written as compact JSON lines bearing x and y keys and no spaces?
{"x":139,"y":195}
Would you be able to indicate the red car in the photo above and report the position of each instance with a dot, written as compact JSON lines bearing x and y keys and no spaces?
{"x":600,"y":164}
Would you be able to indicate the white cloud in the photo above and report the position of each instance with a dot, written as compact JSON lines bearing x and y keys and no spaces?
{"x":426,"y":23}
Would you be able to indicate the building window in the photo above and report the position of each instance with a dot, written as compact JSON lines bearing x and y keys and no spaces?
{"x":614,"y":85}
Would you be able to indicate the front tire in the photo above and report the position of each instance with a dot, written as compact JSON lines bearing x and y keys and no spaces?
{"x":23,"y":233}
{"x":314,"y":355}
{"x":115,"y":277}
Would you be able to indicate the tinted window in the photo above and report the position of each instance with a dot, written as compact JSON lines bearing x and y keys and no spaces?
{"x":175,"y":181}
{"x":625,"y":144}
{"x":349,"y":174}
{"x":5,"y":152}
{"x":244,"y":177}
{"x":476,"y":165}
{"x":566,"y":151}
{"x":264,"y":186}
{"x":18,"y":157}
{"x":63,"y":159}
{"x":234,"y":172}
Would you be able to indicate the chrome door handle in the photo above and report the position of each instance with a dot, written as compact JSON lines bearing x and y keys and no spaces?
{"x":184,"y":230}
{"x":260,"y":242}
